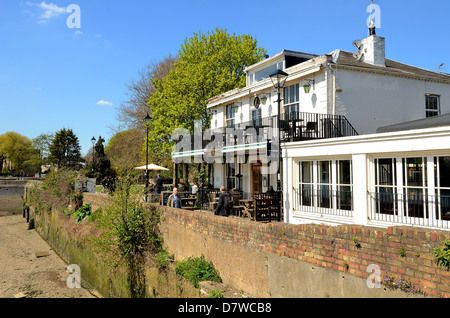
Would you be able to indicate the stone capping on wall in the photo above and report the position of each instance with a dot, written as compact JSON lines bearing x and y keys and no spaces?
{"x":332,"y":247}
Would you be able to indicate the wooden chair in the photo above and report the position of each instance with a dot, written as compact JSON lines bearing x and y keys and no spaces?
{"x":212,"y":202}
{"x":237,"y":207}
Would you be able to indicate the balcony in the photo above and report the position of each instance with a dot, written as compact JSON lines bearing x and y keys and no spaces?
{"x":257,"y":133}
{"x":294,"y":126}
{"x":298,"y":126}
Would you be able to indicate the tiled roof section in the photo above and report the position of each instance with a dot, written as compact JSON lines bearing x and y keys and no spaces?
{"x":394,"y":68}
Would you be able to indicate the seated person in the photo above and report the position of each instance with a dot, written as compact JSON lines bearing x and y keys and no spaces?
{"x":174,"y":199}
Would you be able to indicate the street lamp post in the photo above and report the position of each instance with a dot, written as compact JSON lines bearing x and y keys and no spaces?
{"x":278,"y":79}
{"x":93,"y":156}
{"x":147,"y":119}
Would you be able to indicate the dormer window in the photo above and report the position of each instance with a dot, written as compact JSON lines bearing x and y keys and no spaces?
{"x":257,"y":76}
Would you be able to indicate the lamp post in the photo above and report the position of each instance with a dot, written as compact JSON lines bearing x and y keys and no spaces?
{"x":93,"y":155}
{"x":147,"y":119}
{"x":278,"y":79}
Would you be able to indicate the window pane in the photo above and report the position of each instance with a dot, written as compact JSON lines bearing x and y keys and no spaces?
{"x":443,"y":205}
{"x":444,"y":171}
{"x":324,"y":171}
{"x":230,"y":111}
{"x":292,"y":94}
{"x":414,"y":172}
{"x":432,"y":105}
{"x":344,"y":198}
{"x":344,"y":172}
{"x":306,"y":172}
{"x":386,"y":200}
{"x":231,"y":170}
{"x":324,"y":196}
{"x":385,"y":172}
{"x":414,"y":203}
{"x":306,"y":195}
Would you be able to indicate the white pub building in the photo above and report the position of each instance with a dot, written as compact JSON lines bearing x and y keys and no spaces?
{"x":364,"y":139}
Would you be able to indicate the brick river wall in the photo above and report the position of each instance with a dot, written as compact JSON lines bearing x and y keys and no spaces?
{"x":284,"y":260}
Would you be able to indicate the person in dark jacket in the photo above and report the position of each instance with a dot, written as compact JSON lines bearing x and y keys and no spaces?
{"x":158,"y":184}
{"x":222,"y":208}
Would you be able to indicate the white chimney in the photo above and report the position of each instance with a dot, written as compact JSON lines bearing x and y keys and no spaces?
{"x":372,"y":49}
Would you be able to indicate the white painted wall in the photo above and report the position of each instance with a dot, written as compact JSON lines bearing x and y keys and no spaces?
{"x":371,"y":100}
{"x":316,"y":100}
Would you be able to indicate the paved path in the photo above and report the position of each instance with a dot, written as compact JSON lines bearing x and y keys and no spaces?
{"x":21,"y":272}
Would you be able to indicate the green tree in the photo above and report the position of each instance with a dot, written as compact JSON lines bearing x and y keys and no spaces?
{"x":17,"y":153}
{"x":124,"y":149}
{"x":208,"y":65}
{"x":100,"y":166}
{"x":65,"y":149}
{"x":42,"y":145}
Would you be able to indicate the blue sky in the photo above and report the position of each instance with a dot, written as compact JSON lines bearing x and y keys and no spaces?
{"x":53,"y":76}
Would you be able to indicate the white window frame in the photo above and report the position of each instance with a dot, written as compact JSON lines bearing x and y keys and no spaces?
{"x":431,"y":112}
{"x":287,"y":102}
{"x":332,"y":185}
{"x":229,"y":109}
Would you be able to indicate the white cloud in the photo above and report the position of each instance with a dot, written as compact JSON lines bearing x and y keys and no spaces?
{"x":104,"y":102}
{"x":51,"y":10}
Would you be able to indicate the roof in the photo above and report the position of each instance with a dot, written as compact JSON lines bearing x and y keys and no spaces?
{"x":394,"y":68}
{"x":429,"y":122}
{"x":284,"y":53}
{"x":346,"y":60}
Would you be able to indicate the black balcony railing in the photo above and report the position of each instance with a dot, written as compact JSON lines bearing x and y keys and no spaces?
{"x":297,"y":126}
{"x":294,"y":126}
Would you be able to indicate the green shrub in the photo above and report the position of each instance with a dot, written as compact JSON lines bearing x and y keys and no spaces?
{"x":215,"y":294}
{"x":197,"y":269}
{"x":163,"y":258}
{"x":67,"y":211}
{"x":442,"y":255}
{"x":82,"y":212}
{"x":95,"y":215}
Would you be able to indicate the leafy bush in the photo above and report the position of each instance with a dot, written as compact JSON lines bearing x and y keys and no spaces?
{"x":128,"y":230}
{"x":215,"y":294}
{"x":197,"y":269}
{"x":82,"y":212}
{"x":442,"y":255}
{"x":95,"y":215}
{"x":163,"y":258}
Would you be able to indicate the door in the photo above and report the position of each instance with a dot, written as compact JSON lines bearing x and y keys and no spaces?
{"x":256,"y":177}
